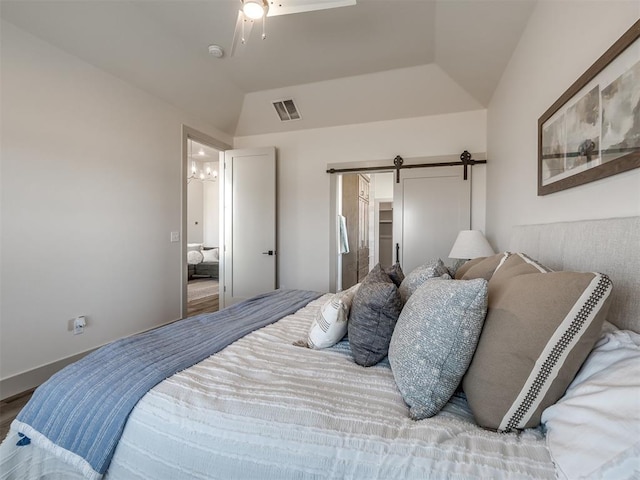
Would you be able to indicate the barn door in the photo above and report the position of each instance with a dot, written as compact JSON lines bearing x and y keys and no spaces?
{"x":430,"y":207}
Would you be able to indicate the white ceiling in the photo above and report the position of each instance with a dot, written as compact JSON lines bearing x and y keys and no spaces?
{"x":446,"y":55}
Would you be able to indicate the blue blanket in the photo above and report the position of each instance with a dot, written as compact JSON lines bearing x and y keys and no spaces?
{"x":80,"y":412}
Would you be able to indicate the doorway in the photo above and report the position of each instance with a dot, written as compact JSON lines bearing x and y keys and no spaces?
{"x":364,"y":215}
{"x":203,"y":228}
{"x":201,"y":222}
{"x":429,"y":207}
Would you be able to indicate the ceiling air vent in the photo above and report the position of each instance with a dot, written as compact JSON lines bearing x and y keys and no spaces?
{"x":286,"y":110}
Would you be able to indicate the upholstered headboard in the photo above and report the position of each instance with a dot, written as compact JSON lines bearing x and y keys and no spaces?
{"x":610,"y":246}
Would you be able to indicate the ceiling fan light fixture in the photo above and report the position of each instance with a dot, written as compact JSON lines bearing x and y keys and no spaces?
{"x":255,"y":9}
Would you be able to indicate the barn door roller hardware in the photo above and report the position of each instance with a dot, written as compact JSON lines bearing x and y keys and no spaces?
{"x":398,"y":164}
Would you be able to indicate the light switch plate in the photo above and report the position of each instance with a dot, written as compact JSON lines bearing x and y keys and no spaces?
{"x":175,"y":237}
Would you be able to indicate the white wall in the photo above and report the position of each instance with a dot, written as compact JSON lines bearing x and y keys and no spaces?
{"x":203,"y":215}
{"x":561,"y":41}
{"x":195,"y":212}
{"x":303,"y":204}
{"x":91,"y":189}
{"x":211,"y":211}
{"x":384,"y":185}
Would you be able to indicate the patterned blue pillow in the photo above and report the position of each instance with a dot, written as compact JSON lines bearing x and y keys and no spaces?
{"x":434,"y":340}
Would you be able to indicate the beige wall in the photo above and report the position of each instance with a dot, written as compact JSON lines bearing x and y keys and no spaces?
{"x":561,"y":41}
{"x":303,"y":156}
{"x":91,"y":189}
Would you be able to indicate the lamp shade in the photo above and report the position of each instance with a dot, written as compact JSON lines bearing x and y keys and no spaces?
{"x":471,"y":244}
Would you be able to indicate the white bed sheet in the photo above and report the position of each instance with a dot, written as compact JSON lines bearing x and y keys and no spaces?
{"x":265,"y":409}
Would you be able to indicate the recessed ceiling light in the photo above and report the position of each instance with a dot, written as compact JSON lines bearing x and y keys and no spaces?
{"x":216,"y":51}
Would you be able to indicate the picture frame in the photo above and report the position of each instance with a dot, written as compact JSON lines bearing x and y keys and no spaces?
{"x":593,"y":130}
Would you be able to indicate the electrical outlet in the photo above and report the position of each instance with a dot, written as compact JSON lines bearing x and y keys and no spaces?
{"x":78,"y":325}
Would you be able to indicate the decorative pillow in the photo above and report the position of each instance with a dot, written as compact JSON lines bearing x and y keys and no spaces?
{"x":434,"y":340}
{"x":395,"y":274}
{"x":210,"y":255}
{"x":194,"y":257}
{"x":540,"y":327}
{"x":191,"y":247}
{"x":377,"y":274}
{"x":420,"y":275}
{"x":462,"y":269}
{"x":484,"y":268}
{"x":593,"y":431}
{"x":330,"y":325}
{"x":374,"y":313}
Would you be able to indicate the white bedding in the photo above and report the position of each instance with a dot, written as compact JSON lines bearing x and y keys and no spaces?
{"x":265,"y":409}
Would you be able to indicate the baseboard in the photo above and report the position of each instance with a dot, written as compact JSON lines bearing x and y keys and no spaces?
{"x":22,"y":382}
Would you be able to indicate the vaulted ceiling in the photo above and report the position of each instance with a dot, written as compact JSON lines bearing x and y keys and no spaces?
{"x":377,"y":60}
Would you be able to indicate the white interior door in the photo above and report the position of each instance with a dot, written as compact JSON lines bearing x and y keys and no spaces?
{"x":249,"y":229}
{"x":430,"y":207}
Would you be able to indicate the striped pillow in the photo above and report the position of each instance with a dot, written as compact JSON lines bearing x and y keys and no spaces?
{"x":330,"y":324}
{"x":540,"y":327}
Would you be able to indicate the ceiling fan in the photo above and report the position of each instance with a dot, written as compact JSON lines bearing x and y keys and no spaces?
{"x":252,"y":11}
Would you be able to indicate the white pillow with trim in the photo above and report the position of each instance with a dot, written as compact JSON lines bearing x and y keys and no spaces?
{"x":330,"y":325}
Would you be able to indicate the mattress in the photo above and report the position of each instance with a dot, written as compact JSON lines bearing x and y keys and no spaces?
{"x":263,"y":408}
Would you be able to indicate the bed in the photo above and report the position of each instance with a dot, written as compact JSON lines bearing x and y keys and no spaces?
{"x":265,"y":408}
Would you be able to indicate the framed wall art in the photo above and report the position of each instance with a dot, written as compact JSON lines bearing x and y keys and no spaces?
{"x":593,"y":130}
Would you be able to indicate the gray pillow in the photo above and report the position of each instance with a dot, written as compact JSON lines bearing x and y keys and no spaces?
{"x":434,"y":341}
{"x":374,"y":313}
{"x":395,"y":274}
{"x":420,"y":275}
{"x":377,"y":274}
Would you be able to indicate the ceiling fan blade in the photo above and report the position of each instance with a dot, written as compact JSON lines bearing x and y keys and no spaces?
{"x":285,"y":7}
{"x":237,"y":33}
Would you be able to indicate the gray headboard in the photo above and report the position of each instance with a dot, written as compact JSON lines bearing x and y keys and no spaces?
{"x":610,"y":246}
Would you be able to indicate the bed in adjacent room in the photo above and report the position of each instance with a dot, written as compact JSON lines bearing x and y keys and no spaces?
{"x":256,"y":403}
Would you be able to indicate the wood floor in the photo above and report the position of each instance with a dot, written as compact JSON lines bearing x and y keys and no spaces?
{"x":9,"y":408}
{"x":202,"y":295}
{"x":203,"y":305}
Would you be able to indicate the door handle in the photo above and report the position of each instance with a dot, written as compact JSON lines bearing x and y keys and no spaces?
{"x":397,"y":253}
{"x":269,"y":252}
